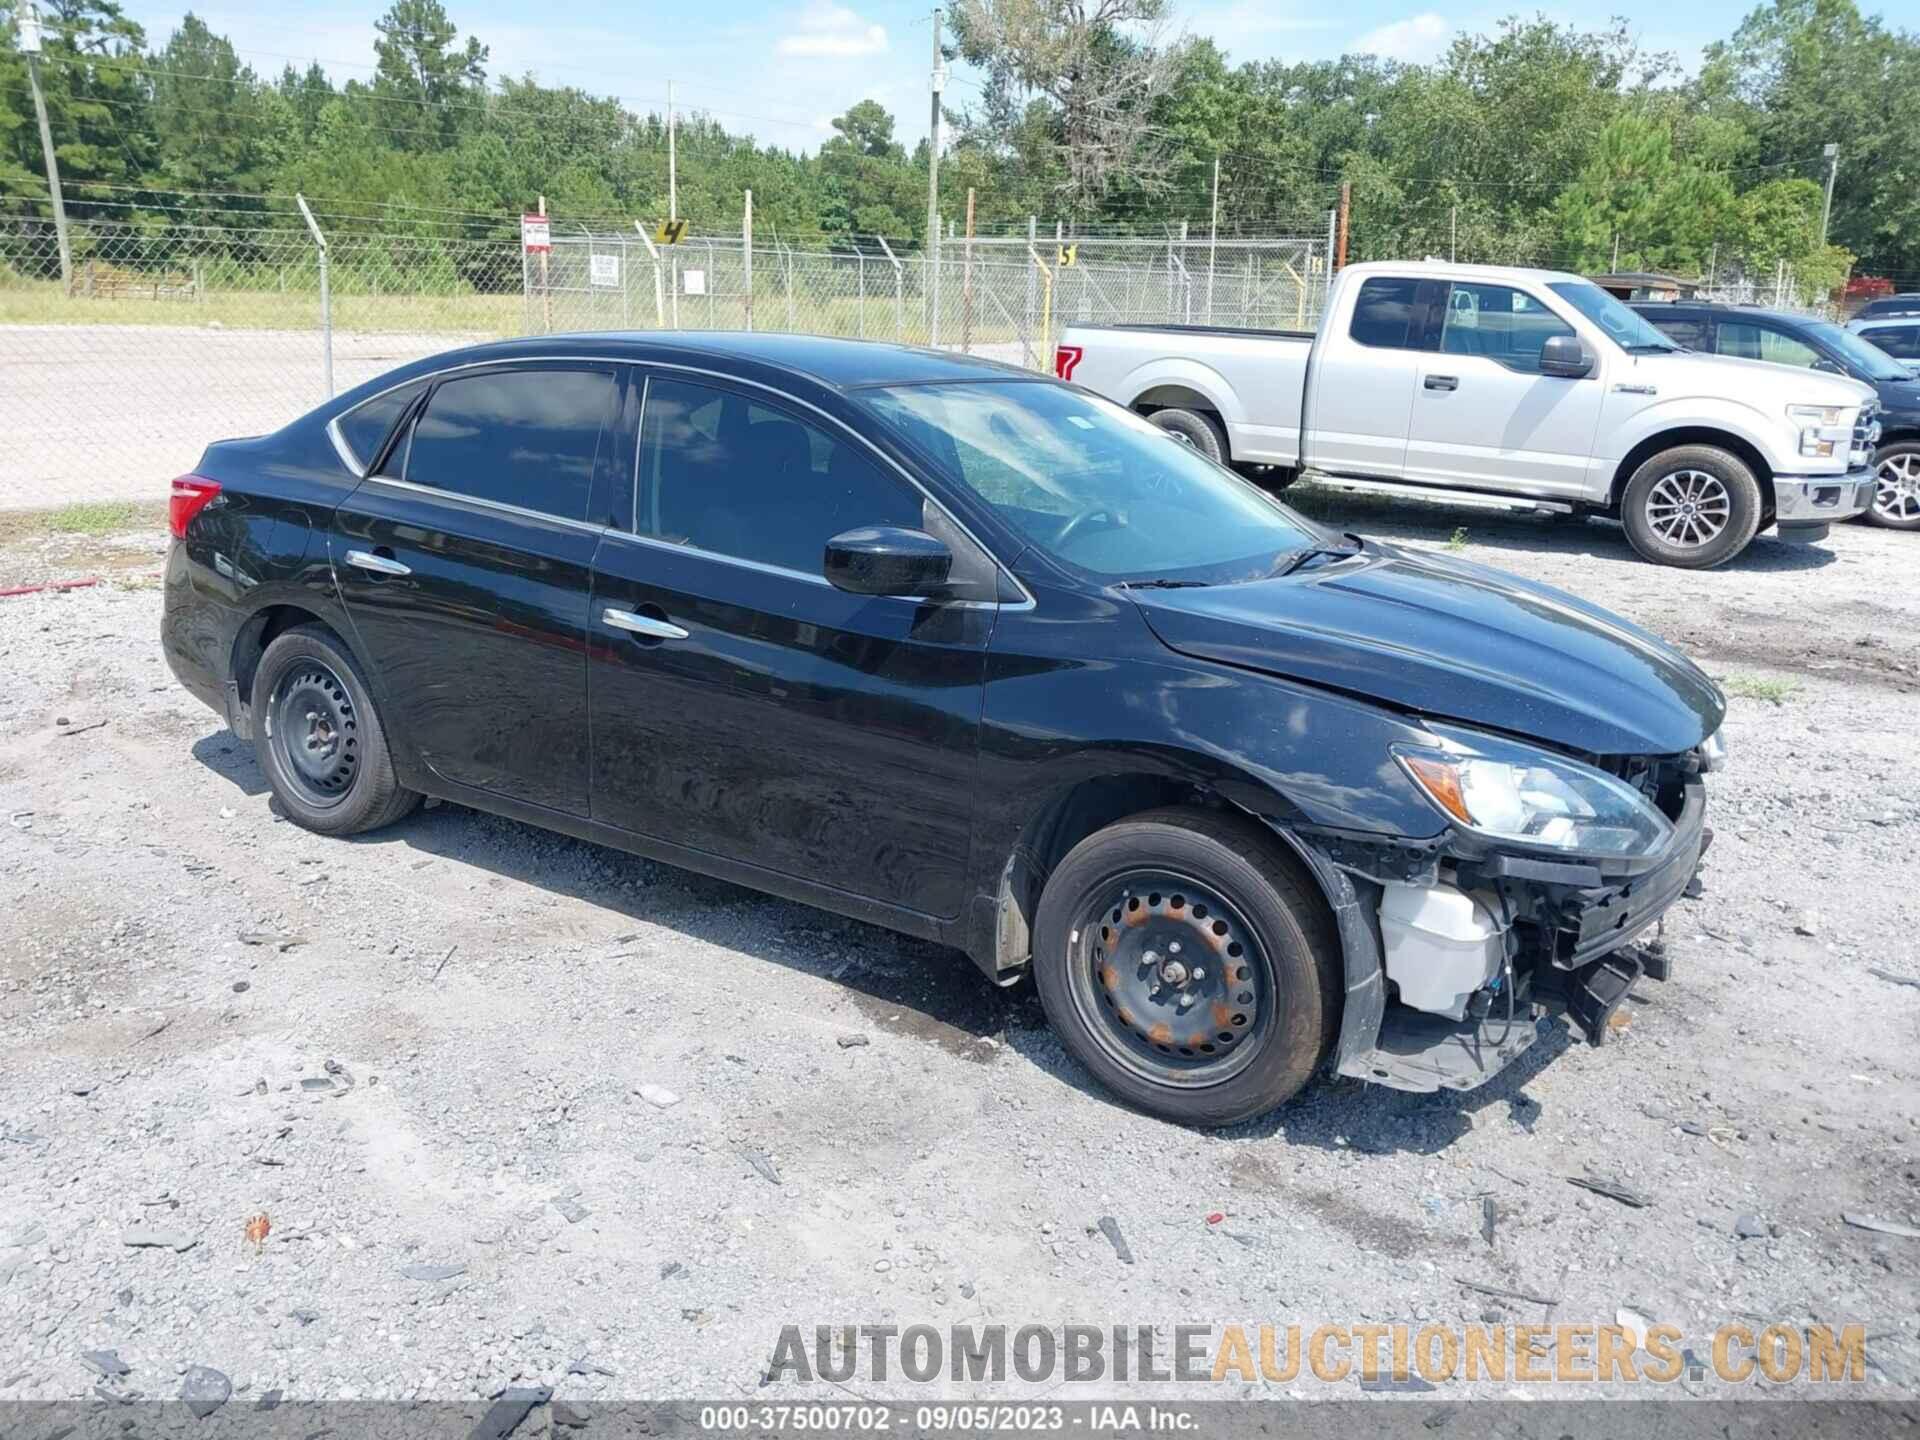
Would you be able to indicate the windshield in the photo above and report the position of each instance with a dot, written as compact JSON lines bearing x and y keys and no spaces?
{"x":1626,"y":329}
{"x":1866,"y":359}
{"x":1095,"y":485}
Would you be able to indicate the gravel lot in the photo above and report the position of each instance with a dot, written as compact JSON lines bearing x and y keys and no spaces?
{"x":419,"y":1056}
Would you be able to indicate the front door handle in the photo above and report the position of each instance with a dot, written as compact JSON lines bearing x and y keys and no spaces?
{"x":1443,"y":382}
{"x":642,"y":625}
{"x":378,"y":564}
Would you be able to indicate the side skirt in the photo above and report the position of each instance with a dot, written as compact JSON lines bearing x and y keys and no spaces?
{"x":753,"y":877}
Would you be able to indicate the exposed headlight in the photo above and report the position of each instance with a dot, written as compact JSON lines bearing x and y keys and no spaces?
{"x":1824,"y":431}
{"x":1713,"y":752}
{"x":1511,"y":792}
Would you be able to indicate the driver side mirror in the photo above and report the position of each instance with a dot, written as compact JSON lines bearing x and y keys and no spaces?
{"x":888,"y":560}
{"x":1566,"y":357}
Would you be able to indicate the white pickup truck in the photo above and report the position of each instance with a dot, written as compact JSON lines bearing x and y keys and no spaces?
{"x":1527,"y":389}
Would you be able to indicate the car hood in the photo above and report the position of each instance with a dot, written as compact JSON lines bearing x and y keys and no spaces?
{"x":1759,"y":382}
{"x":1455,"y":641}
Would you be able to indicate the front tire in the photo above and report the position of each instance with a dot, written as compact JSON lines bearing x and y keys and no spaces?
{"x":1195,"y":428}
{"x":319,"y":738}
{"x":1190,"y":964}
{"x":1694,"y":507}
{"x":1896,"y":496}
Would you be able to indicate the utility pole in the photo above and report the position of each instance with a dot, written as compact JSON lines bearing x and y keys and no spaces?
{"x":933,"y":190}
{"x":30,"y":46}
{"x":1213,"y":236}
{"x":1346,"y":214}
{"x":673,"y":179}
{"x":1832,"y":152}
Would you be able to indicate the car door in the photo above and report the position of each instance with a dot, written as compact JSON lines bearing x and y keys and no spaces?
{"x":465,"y":563}
{"x":1361,"y":397}
{"x":1484,"y":416}
{"x":741,"y":705}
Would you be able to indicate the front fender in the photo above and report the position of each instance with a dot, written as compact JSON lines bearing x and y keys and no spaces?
{"x":1767,"y":434}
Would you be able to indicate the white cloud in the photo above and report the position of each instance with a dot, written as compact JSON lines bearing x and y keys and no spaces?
{"x":832,"y":32}
{"x":1416,"y":39}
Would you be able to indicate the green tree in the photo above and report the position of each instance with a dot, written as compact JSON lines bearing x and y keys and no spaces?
{"x":1808,"y":73}
{"x":97,"y":105}
{"x":419,"y":64}
{"x":208,"y":119}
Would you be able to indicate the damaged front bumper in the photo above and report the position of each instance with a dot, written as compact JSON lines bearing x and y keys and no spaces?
{"x":1568,"y":947}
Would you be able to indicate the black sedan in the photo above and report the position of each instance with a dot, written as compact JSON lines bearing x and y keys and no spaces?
{"x":970,"y":653}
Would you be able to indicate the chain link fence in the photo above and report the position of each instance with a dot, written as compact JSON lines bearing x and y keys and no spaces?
{"x":166,"y":337}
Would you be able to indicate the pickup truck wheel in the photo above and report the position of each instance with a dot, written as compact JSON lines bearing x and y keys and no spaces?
{"x":1896,"y":496}
{"x":319,"y":738}
{"x":1695,"y":506}
{"x":1202,"y":432}
{"x":1190,"y":964}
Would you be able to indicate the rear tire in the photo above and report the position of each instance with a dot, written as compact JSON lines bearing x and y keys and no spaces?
{"x":1694,"y":507}
{"x":319,"y":738}
{"x":1896,"y":496}
{"x":1215,"y":1030}
{"x":1195,"y":428}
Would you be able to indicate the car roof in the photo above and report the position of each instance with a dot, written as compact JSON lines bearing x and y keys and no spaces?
{"x":1725,"y":307}
{"x":1882,"y":322}
{"x":828,"y":360}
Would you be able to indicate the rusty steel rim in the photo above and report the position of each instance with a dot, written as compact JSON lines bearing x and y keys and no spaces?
{"x":1171,"y":979}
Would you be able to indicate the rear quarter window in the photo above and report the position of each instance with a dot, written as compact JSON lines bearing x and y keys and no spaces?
{"x":365,"y":427}
{"x":1383,"y":314}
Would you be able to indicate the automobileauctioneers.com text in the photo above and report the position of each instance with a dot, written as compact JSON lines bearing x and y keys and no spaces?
{"x":1284,"y":1354}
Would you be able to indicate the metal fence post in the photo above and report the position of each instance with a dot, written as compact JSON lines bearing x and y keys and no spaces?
{"x":653,"y":253}
{"x":746,"y":242}
{"x":326,"y":295}
{"x":900,"y":292}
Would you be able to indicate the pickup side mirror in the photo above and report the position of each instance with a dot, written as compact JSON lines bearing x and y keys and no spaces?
{"x":1565,"y":356}
{"x":887,"y":560}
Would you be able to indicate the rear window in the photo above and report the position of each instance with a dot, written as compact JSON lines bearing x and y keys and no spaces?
{"x":365,"y":427}
{"x":1383,"y":315}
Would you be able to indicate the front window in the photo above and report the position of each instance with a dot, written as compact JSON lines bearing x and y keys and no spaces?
{"x":1626,"y":329}
{"x":1500,"y":323}
{"x":1095,"y":485}
{"x":1744,"y":340}
{"x":1865,"y":359}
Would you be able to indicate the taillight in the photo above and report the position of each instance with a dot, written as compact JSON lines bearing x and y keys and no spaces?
{"x":190,"y":496}
{"x":1065,"y":357}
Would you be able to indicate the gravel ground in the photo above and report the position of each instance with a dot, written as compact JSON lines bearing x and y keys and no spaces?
{"x":419,"y":1058}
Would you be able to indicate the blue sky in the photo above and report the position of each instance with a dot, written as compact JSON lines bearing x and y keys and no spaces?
{"x":780,"y":69}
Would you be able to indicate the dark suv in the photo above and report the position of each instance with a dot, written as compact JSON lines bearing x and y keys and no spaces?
{"x":1774,"y":335}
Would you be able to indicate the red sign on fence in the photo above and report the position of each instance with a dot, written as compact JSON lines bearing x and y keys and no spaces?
{"x":535,"y":234}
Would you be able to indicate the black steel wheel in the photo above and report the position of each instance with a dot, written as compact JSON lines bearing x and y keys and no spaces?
{"x":319,"y":737}
{"x":1191,"y":963}
{"x":1170,"y":977}
{"x":313,"y":727}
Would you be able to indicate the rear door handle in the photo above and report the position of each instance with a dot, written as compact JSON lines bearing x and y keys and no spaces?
{"x":378,"y":564}
{"x":642,"y":625}
{"x":1443,"y":382}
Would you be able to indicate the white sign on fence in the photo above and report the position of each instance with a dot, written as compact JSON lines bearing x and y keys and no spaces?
{"x":604,"y":271}
{"x":693,"y":282}
{"x":536,"y":234}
